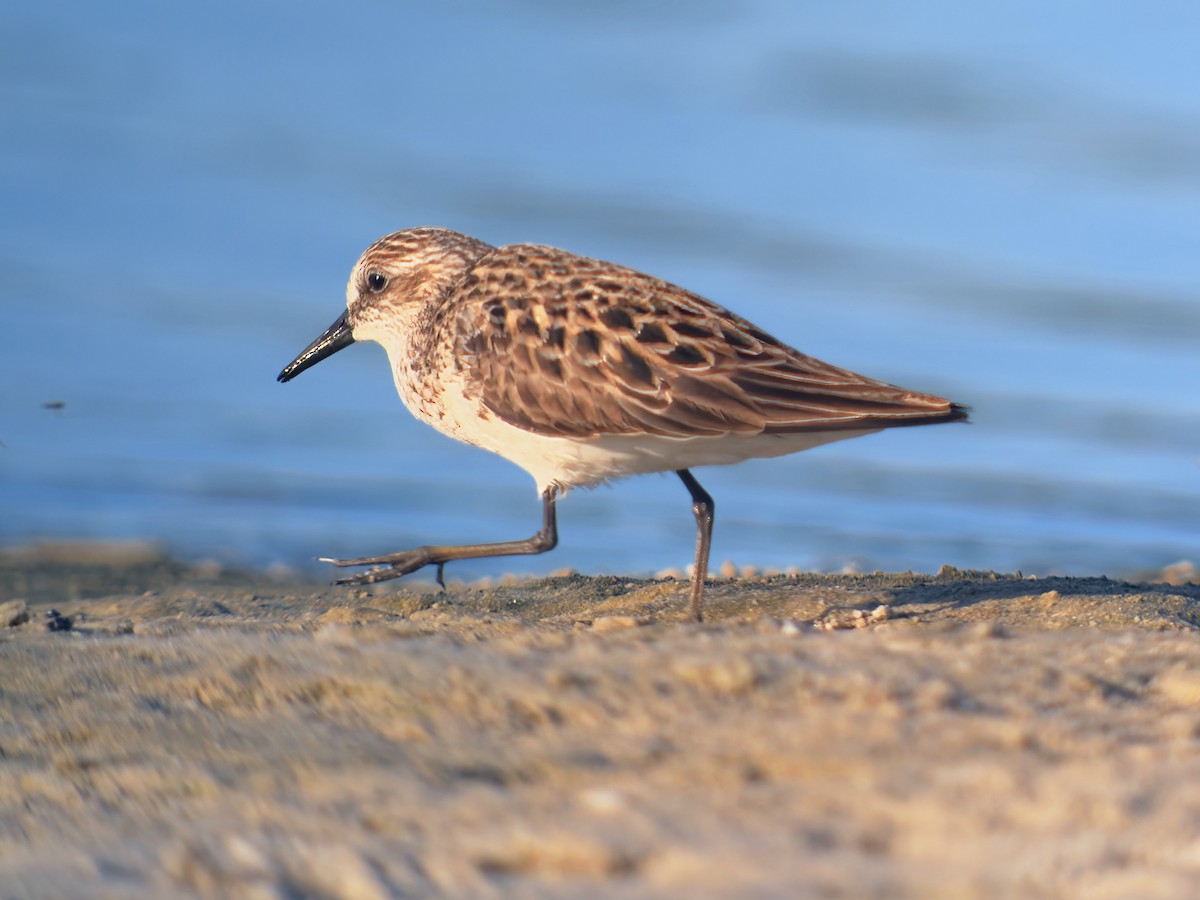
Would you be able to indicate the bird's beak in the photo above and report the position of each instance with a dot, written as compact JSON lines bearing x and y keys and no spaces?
{"x":333,"y":339}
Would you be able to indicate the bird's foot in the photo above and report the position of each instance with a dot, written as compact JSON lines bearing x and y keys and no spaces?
{"x":393,"y":565}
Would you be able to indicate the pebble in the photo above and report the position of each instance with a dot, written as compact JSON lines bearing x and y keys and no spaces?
{"x":734,"y":675}
{"x":332,"y":870}
{"x":1179,"y":573}
{"x":1180,"y":686}
{"x":56,"y":621}
{"x":604,"y":624}
{"x":988,"y":630}
{"x":602,"y":800}
{"x":13,"y":613}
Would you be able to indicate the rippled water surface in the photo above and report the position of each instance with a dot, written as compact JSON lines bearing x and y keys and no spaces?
{"x":1000,"y":205}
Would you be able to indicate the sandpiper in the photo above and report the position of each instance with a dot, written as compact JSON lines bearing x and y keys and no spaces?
{"x":581,"y":371}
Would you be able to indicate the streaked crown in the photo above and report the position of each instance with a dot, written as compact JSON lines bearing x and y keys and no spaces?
{"x":413,"y":266}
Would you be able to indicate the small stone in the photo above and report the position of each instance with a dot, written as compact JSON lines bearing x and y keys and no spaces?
{"x":211,"y":865}
{"x":1179,"y":573}
{"x":56,"y":621}
{"x":937,"y":694}
{"x":728,"y":676}
{"x":330,"y":870}
{"x":604,"y":624}
{"x":1180,"y":686}
{"x":13,"y":613}
{"x":602,"y":800}
{"x":988,"y":630}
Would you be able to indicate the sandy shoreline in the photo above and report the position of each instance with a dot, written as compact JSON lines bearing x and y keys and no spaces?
{"x":966,"y":734}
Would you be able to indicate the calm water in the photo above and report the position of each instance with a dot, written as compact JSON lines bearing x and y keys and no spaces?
{"x":998,"y":205}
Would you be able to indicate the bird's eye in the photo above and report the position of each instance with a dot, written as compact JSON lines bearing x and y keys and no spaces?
{"x":376,"y":281}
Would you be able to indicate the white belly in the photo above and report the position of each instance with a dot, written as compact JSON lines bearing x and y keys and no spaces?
{"x":575,"y":462}
{"x":568,"y":462}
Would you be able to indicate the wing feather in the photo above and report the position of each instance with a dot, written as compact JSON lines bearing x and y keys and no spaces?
{"x":564,"y":345}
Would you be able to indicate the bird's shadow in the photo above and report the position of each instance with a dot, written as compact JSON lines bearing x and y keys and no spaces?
{"x":1058,"y":601}
{"x":954,"y":596}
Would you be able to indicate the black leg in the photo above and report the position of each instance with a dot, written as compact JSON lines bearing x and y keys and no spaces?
{"x":393,"y":565}
{"x":703,"y":509}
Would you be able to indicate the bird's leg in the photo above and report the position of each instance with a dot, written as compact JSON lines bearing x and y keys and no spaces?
{"x":702,"y":509}
{"x":393,"y":565}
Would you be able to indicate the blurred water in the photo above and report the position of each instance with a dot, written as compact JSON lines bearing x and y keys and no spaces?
{"x":999,"y":204}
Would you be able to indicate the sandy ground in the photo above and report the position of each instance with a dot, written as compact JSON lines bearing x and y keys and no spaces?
{"x":961,"y":735}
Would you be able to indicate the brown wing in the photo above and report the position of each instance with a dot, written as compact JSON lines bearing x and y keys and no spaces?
{"x":564,"y":345}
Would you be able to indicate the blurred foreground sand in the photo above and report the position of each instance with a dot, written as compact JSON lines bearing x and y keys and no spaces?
{"x":966,"y":734}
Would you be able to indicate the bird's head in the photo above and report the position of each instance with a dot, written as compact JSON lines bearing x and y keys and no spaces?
{"x":395,"y":277}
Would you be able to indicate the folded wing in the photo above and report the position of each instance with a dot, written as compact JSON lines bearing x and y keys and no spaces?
{"x":570,"y":346}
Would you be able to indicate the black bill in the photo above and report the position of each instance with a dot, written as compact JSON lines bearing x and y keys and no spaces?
{"x":333,"y":339}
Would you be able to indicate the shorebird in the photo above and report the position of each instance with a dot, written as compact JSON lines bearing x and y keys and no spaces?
{"x":582,"y":371}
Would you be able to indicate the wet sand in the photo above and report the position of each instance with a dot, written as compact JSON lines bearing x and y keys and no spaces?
{"x":198,"y":732}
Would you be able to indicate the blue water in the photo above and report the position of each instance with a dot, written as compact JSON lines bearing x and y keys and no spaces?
{"x":996,"y":203}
